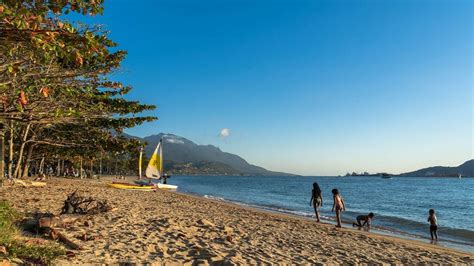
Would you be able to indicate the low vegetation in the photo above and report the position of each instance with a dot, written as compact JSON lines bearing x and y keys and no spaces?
{"x":7,"y":218}
{"x":13,"y":246}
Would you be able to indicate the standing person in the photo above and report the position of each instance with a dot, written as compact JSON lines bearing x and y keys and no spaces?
{"x":316,"y":200}
{"x":165,"y":178}
{"x":433,"y":225}
{"x":338,"y":206}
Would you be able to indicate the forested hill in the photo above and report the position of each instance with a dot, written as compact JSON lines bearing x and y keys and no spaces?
{"x":466,"y":169}
{"x":184,"y":157}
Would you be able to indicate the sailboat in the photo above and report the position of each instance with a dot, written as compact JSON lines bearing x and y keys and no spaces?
{"x":154,"y":170}
{"x":460,"y":176}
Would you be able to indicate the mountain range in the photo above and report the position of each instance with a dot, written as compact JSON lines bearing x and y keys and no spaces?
{"x":465,"y":169}
{"x":184,"y":157}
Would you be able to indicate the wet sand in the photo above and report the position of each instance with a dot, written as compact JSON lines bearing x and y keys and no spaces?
{"x":163,"y":226}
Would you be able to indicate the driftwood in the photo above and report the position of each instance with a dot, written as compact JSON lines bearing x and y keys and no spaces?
{"x":46,"y":224}
{"x":63,"y":221}
{"x":84,"y":205}
{"x":55,"y":235}
{"x":76,"y":209}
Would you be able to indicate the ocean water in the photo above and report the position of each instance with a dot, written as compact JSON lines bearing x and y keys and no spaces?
{"x":400,"y":204}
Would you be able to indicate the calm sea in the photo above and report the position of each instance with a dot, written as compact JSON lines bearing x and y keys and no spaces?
{"x":400,"y":204}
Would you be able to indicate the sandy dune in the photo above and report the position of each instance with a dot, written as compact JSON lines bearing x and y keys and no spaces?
{"x":162,"y":226}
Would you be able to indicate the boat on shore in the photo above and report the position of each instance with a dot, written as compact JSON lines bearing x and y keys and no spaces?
{"x":129,"y":186}
{"x":154,"y":171}
{"x":154,"y":174}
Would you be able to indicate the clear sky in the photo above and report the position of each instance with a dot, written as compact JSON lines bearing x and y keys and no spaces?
{"x":308,"y":87}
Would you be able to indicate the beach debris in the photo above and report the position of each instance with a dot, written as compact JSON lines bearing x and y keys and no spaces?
{"x":36,"y":241}
{"x":27,"y":183}
{"x":86,"y":237}
{"x":56,"y":235}
{"x":205,"y":223}
{"x":76,"y":208}
{"x":45,"y":223}
{"x":88,"y":223}
{"x":84,"y":205}
{"x":48,"y":222}
{"x":70,"y":254}
{"x":3,"y":250}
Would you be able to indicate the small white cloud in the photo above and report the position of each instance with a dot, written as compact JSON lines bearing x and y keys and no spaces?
{"x":173,"y":140}
{"x":225,"y":132}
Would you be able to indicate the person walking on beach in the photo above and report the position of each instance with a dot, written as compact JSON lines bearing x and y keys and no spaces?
{"x":433,"y":225}
{"x":338,"y":206}
{"x":316,"y":200}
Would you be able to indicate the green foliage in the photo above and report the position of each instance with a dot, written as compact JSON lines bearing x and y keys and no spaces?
{"x":44,"y":253}
{"x":37,"y":254}
{"x":62,"y":70}
{"x":7,"y":218}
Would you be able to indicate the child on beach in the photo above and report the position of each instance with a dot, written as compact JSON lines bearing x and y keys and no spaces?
{"x":316,"y":200}
{"x":366,"y":219}
{"x":338,"y":206}
{"x":433,"y":225}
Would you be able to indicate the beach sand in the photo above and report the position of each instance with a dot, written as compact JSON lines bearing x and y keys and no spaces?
{"x":163,"y":226}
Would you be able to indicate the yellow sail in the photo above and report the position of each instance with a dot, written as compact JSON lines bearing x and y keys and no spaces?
{"x":155,"y":166}
{"x":140,"y":159}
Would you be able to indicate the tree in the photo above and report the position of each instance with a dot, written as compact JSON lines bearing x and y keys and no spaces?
{"x":54,"y":86}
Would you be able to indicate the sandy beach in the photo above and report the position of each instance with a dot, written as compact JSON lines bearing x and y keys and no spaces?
{"x":163,"y":226}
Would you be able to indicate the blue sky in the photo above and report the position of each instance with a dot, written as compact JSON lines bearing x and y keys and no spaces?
{"x":309,"y":87}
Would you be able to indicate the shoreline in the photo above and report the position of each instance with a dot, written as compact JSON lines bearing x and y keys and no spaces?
{"x":161,"y":227}
{"x":393,"y":217}
{"x":374,"y":231}
{"x":402,"y":235}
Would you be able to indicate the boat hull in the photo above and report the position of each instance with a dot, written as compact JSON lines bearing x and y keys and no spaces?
{"x":166,"y":186}
{"x":158,"y":185}
{"x":133,"y":186}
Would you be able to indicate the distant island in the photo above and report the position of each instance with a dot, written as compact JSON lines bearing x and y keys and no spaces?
{"x":184,"y":157}
{"x":367,"y":174}
{"x":465,"y":170}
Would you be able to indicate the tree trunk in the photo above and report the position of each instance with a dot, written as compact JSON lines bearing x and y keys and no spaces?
{"x":92,"y":168}
{"x":100,"y":166}
{"x":41,"y":166}
{"x":10,"y":150}
{"x":2,"y":154}
{"x":80,"y":168}
{"x":27,"y":164}
{"x":58,"y":171}
{"x":17,"y":173}
{"x":36,"y":167}
{"x":62,"y":168}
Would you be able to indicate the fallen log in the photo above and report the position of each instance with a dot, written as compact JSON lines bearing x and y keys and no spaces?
{"x":56,"y":235}
{"x":76,"y":209}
